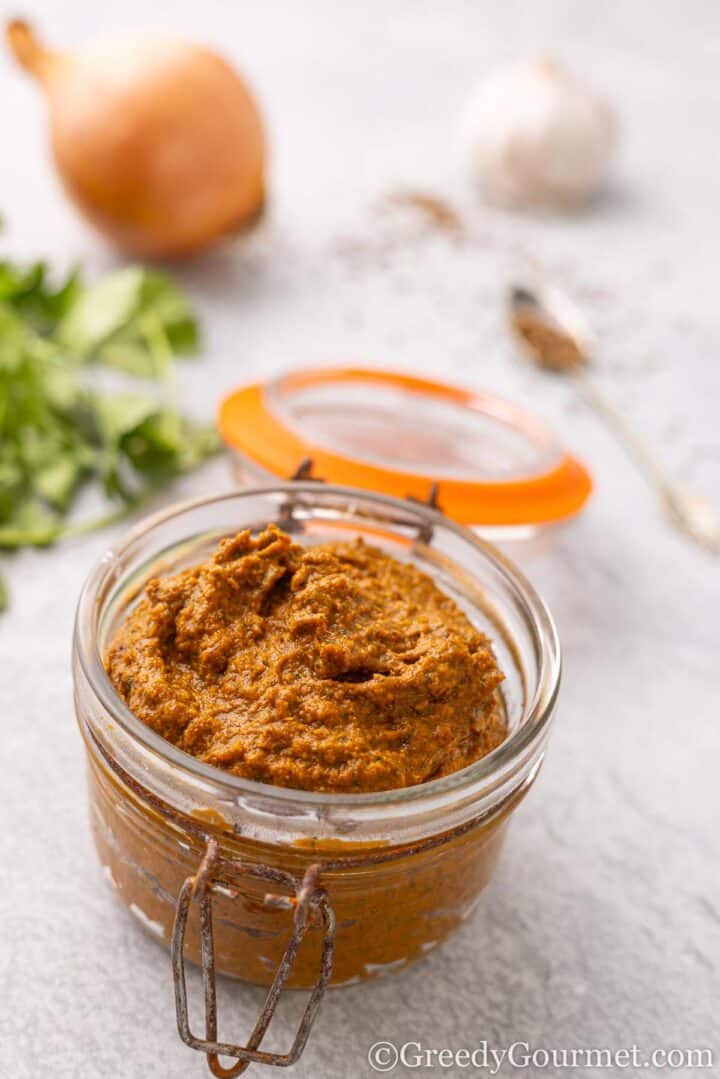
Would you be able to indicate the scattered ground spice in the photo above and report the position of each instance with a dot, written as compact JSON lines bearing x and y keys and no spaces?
{"x":402,"y":218}
{"x":437,"y":212}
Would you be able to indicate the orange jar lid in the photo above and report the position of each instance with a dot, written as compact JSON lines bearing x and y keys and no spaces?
{"x":490,"y":463}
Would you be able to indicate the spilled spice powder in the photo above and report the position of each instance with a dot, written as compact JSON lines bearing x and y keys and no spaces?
{"x":437,"y":212}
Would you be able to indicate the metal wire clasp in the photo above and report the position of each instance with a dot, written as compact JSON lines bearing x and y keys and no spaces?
{"x":310,"y":903}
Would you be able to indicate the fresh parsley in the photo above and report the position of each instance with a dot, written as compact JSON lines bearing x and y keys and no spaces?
{"x":59,"y":430}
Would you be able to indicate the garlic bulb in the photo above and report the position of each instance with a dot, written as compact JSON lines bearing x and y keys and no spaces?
{"x":537,"y":135}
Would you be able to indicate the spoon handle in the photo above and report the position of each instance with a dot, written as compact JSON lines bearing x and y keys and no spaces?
{"x":689,"y":511}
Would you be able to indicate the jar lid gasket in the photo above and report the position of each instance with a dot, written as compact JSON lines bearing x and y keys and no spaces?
{"x":492,"y":462}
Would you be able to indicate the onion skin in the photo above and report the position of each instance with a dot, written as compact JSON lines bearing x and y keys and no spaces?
{"x":159,"y":143}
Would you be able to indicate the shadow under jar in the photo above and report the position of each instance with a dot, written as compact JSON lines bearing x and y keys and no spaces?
{"x":287,"y":887}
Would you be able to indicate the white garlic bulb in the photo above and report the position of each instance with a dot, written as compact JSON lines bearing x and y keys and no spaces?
{"x":537,"y":135}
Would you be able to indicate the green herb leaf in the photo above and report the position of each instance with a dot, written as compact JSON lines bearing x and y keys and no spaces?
{"x":100,"y":311}
{"x":57,"y":481}
{"x":29,"y":525}
{"x":58,"y":431}
{"x":27,"y":290}
{"x":107,"y":321}
{"x":122,"y":413}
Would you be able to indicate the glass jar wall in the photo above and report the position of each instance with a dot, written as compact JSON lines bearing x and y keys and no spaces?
{"x":400,"y":869}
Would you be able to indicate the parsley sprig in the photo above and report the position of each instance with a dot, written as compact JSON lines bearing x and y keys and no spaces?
{"x":59,"y":429}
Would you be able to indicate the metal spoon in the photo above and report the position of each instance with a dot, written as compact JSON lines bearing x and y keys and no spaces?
{"x":557,"y":338}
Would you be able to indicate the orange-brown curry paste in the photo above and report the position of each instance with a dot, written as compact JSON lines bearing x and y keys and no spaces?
{"x":327,"y":668}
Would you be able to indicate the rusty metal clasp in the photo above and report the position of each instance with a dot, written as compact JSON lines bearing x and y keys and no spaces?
{"x":309,"y":901}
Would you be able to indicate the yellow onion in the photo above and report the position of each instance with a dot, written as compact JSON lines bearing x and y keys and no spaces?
{"x":158,"y":142}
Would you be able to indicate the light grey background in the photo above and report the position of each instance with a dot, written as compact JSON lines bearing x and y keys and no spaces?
{"x":602,"y":927}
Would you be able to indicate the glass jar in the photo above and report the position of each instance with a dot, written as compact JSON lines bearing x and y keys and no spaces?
{"x":365,"y":882}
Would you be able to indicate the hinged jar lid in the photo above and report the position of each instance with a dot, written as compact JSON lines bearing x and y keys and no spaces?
{"x":490,"y":463}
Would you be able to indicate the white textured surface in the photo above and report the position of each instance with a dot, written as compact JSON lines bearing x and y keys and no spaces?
{"x":602,"y":927}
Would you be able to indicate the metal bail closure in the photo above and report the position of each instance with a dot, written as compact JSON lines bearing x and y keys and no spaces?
{"x":309,"y":900}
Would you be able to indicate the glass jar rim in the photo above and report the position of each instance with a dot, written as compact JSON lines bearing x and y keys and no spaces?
{"x":481,"y":777}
